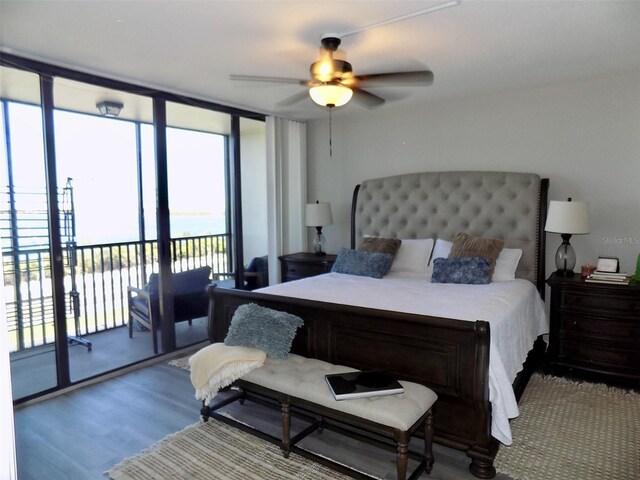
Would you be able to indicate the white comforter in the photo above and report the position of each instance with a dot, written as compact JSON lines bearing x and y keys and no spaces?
{"x":514,"y":309}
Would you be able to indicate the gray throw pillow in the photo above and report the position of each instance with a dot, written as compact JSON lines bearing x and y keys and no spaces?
{"x":364,"y":264}
{"x":263,"y":328}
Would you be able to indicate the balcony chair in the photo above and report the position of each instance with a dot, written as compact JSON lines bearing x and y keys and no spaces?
{"x":256,"y":275}
{"x":190,"y":300}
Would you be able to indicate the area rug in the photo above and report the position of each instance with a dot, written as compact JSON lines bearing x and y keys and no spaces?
{"x":216,"y":451}
{"x":568,"y":430}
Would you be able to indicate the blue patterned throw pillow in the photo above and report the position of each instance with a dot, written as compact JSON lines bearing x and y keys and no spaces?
{"x":263,"y":328}
{"x":364,"y":264}
{"x":468,"y":270}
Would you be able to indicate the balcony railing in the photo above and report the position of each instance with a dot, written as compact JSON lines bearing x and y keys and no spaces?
{"x":102,"y":274}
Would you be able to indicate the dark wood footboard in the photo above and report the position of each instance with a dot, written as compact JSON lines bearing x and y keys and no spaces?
{"x":449,"y":356}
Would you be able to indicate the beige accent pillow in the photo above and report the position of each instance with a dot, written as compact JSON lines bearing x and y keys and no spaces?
{"x":379,"y":245}
{"x":465,"y":245}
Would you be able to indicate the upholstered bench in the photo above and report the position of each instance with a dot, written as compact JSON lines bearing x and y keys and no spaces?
{"x":300,"y":382}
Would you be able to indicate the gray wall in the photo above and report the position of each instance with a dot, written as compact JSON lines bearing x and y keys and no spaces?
{"x":584,"y":136}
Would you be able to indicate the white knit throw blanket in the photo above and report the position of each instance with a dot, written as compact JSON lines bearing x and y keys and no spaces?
{"x":218,"y":365}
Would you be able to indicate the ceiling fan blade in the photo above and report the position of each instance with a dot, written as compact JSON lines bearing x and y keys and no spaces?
{"x":420,"y":77}
{"x":293,"y":99}
{"x":256,"y":78}
{"x":366,"y":99}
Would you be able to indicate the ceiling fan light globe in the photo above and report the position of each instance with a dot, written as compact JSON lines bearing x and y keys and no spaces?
{"x":335,"y":95}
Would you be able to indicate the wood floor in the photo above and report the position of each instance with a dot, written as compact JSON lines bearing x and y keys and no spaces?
{"x":34,"y":370}
{"x":81,"y":434}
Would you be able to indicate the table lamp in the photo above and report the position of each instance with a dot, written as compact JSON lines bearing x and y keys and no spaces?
{"x":567,"y":218}
{"x":318,"y":215}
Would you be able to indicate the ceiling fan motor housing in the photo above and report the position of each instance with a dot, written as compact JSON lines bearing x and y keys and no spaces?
{"x":330,"y":70}
{"x":330,"y":42}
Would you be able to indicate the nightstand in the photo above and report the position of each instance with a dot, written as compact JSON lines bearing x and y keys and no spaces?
{"x":303,"y":265}
{"x":595,"y":330}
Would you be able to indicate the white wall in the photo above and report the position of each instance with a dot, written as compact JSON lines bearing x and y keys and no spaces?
{"x":583,"y":136}
{"x":8,"y":469}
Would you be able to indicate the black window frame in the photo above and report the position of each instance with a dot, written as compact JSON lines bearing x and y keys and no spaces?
{"x":47,"y":74}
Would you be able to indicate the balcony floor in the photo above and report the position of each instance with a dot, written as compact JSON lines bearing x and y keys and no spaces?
{"x":33,"y":370}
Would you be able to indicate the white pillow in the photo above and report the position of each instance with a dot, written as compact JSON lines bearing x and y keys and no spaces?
{"x":442,"y":249}
{"x":413,"y":255}
{"x":506,"y":265}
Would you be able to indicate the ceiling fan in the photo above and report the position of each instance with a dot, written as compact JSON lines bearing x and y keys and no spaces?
{"x":333,"y":83}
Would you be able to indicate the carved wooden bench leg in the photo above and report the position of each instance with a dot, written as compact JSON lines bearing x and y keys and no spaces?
{"x":285,"y":446}
{"x":402,"y":458}
{"x":428,"y":441}
{"x":204,"y":411}
{"x":320,"y":421}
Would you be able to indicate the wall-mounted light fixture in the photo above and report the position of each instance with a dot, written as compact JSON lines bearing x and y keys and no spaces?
{"x":109,"y":109}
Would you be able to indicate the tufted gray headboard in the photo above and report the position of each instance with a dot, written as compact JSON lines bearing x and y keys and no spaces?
{"x":511,"y":206}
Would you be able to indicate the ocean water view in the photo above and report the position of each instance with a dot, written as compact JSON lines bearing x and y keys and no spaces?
{"x":187,"y":225}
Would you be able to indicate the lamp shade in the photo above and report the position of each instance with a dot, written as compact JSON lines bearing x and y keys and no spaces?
{"x":330,"y":95}
{"x":568,"y":217}
{"x":318,"y":214}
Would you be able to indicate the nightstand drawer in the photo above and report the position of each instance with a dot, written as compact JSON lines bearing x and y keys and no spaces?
{"x":619,"y":361}
{"x":588,"y":300}
{"x":623,"y":333}
{"x":302,"y":270}
{"x":302,"y":265}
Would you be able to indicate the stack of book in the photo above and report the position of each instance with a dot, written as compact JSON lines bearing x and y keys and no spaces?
{"x":607,"y":277}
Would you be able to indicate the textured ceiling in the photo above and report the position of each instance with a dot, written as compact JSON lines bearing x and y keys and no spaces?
{"x":191,"y":47}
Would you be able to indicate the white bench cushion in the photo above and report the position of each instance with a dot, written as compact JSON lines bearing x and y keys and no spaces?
{"x":303,"y":378}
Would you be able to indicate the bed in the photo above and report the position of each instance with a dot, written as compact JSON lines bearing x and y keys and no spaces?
{"x":448,"y":349}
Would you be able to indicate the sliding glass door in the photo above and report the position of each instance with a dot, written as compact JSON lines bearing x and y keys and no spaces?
{"x":103,"y":187}
{"x":24,"y":224}
{"x":197,"y":188}
{"x":99,"y":160}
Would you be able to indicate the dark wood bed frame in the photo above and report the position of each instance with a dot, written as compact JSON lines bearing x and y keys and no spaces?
{"x":449,"y":356}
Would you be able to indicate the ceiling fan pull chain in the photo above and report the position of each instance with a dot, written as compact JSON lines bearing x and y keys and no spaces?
{"x":330,"y":136}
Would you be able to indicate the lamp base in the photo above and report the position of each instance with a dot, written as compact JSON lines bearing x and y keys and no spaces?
{"x":565,"y":273}
{"x":319,"y":242}
{"x":565,"y":257}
